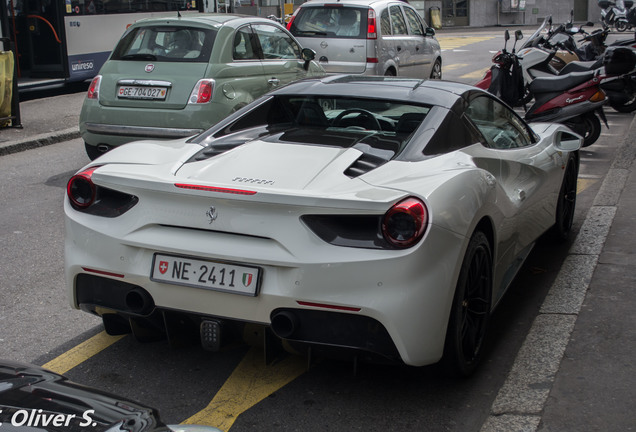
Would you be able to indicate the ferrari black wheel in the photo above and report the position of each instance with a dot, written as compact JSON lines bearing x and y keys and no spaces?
{"x":566,"y":202}
{"x":470,"y":311}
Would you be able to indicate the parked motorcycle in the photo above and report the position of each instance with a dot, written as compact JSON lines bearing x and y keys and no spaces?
{"x":614,"y":14}
{"x":575,"y":100}
{"x":537,"y":58}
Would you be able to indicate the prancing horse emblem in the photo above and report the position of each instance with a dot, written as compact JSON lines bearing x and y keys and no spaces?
{"x":211,"y":214}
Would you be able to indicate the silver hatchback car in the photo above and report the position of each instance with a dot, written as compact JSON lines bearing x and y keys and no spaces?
{"x":371,"y":37}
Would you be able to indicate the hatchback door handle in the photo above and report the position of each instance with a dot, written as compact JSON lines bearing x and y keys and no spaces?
{"x":274,"y":81}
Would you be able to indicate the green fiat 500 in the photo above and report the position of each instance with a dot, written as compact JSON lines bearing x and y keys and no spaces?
{"x":175,"y":77}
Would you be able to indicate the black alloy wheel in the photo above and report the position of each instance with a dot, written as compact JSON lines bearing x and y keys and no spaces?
{"x":566,"y":202}
{"x":470,"y":311}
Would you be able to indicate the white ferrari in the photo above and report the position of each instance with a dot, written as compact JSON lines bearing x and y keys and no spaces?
{"x":382,"y":217}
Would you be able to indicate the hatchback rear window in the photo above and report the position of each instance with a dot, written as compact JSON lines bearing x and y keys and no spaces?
{"x":336,"y":21}
{"x":166,"y":43}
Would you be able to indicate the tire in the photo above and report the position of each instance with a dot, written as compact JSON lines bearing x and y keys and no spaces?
{"x":566,"y":203}
{"x":620,"y":25}
{"x":389,"y":73}
{"x":626,"y":107}
{"x":470,"y":310}
{"x":92,"y":151}
{"x":588,"y":126}
{"x":436,"y":72}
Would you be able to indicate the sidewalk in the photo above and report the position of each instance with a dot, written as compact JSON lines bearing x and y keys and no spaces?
{"x":575,"y":369}
{"x":44,"y":122}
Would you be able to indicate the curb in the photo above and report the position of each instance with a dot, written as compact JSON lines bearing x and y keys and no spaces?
{"x":521,"y":400}
{"x":41,"y":140}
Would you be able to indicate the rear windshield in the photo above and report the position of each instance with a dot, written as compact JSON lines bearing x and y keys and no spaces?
{"x":330,"y":21}
{"x":165,"y":43}
{"x":380,"y":128}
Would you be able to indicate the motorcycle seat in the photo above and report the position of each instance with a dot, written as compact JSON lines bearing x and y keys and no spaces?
{"x":560,"y":82}
{"x":579,"y":66}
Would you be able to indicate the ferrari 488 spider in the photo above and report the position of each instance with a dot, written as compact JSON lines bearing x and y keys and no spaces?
{"x":382,"y":216}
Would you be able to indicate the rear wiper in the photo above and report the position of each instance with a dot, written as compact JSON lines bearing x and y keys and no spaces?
{"x":151,"y":57}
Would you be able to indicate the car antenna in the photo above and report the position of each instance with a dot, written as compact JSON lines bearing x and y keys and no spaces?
{"x":178,"y":14}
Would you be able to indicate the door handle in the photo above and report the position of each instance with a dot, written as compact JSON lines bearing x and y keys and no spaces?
{"x":274,"y":81}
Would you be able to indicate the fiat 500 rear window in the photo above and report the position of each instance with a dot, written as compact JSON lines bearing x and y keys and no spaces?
{"x":166,"y":43}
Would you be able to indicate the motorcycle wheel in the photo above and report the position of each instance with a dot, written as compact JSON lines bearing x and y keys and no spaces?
{"x":621,"y":26}
{"x":626,"y":107}
{"x":588,"y":126}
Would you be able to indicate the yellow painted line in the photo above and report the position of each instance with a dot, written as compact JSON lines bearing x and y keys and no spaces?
{"x":447,"y":43}
{"x":582,"y":184}
{"x":478,"y":74}
{"x":455,"y":66}
{"x":251,"y":382}
{"x":81,"y":352}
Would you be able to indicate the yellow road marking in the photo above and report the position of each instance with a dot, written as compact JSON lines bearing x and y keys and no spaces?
{"x":582,"y":184}
{"x":251,"y":382}
{"x":81,"y":352}
{"x":455,"y":66}
{"x":478,"y":74}
{"x":447,"y":43}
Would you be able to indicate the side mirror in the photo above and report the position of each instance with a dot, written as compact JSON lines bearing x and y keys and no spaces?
{"x":506,"y":35}
{"x":518,"y":35}
{"x":566,"y":141}
{"x":429,"y":31}
{"x":307,"y":54}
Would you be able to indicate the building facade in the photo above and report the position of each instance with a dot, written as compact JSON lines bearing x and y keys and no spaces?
{"x":476,"y":13}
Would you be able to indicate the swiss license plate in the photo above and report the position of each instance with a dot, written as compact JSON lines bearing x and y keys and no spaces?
{"x":142,"y":92}
{"x":201,"y":273}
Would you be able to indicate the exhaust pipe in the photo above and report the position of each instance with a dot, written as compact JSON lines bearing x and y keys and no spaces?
{"x":139,"y":301}
{"x":285,"y":324}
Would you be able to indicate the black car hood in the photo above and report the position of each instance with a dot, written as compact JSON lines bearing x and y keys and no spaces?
{"x":34,"y":399}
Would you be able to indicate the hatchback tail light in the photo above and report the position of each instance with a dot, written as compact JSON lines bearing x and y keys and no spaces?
{"x":372,"y":31}
{"x":404,"y":224}
{"x":93,"y":89}
{"x":291,"y":20}
{"x":202,"y":92}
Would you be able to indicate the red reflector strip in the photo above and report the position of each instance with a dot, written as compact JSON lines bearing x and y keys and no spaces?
{"x":328,"y":306}
{"x":101,"y":272}
{"x":215,"y":189}
{"x":372,"y":60}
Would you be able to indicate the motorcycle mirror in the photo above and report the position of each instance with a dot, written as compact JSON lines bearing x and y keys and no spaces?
{"x":518,"y":35}
{"x":506,"y":35}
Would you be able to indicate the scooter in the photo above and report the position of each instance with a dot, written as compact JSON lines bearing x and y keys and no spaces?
{"x":575,"y":100}
{"x":614,"y":14}
{"x":505,"y":77}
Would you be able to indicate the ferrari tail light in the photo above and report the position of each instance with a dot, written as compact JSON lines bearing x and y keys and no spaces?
{"x":372,"y":32}
{"x":81,"y":190}
{"x":202,"y":92}
{"x":404,"y":224}
{"x":87,"y":197}
{"x":93,"y":89}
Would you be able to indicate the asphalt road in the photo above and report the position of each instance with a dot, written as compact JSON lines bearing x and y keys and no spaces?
{"x":37,"y":324}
